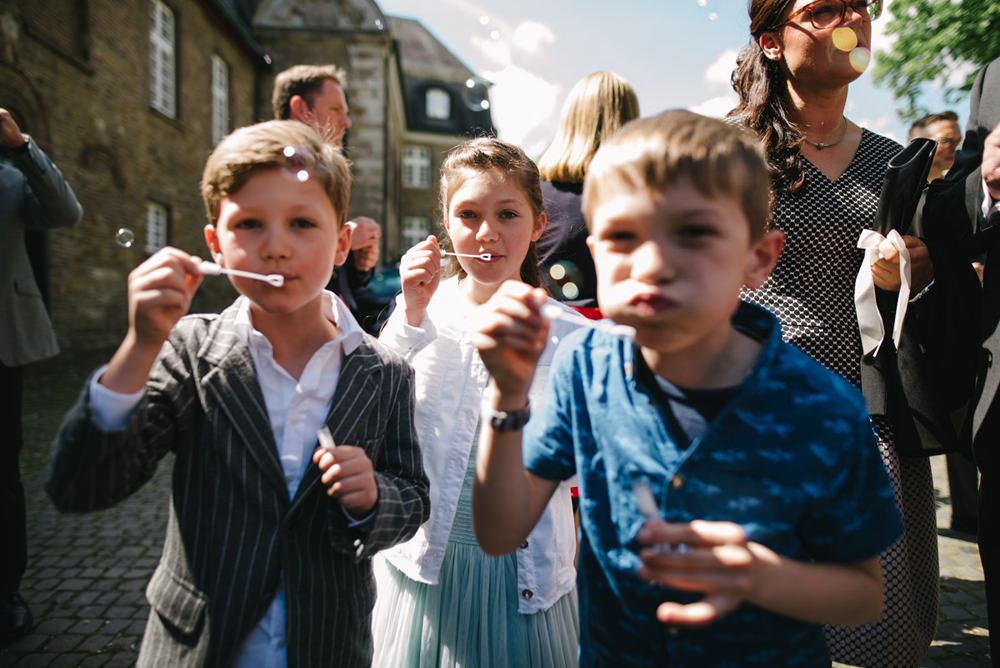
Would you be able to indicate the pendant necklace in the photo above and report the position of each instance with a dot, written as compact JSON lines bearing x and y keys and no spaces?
{"x":819,"y":146}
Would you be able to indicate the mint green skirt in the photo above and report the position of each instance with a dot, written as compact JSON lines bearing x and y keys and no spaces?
{"x":469,"y":619}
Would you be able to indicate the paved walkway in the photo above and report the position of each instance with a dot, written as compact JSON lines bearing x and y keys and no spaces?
{"x":87,"y":573}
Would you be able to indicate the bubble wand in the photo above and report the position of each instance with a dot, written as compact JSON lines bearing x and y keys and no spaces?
{"x":208,"y":268}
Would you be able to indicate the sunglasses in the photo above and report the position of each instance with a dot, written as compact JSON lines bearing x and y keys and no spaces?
{"x":824,"y":14}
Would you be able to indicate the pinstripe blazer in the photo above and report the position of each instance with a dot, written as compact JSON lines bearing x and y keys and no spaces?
{"x":232,"y":531}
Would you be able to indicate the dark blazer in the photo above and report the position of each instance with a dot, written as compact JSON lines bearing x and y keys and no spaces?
{"x":33,"y":194}
{"x":957,"y":201}
{"x":232,"y":531}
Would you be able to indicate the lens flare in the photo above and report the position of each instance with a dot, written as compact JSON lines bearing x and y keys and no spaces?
{"x":860,"y":58}
{"x":845,"y":39}
{"x":124,"y":237}
{"x":570,"y":291}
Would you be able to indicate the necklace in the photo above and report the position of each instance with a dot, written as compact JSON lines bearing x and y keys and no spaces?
{"x":819,"y":145}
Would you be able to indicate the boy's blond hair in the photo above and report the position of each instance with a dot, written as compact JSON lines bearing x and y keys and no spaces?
{"x":595,"y":108}
{"x":288,"y":145}
{"x":305,"y":81}
{"x":654,"y":153}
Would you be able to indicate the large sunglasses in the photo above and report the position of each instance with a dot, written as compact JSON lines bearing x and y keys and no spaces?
{"x":824,"y":14}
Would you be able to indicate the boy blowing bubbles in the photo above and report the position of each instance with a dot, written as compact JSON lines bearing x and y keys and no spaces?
{"x":267,"y":552}
{"x":769,"y":500}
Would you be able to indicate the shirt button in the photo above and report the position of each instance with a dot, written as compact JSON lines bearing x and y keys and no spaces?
{"x":527,"y":594}
{"x":524,"y":545}
{"x":677,"y":482}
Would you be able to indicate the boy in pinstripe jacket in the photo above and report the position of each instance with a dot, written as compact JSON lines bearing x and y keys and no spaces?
{"x":267,"y":554}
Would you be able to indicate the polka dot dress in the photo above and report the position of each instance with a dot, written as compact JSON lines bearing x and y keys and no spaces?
{"x":812,"y":293}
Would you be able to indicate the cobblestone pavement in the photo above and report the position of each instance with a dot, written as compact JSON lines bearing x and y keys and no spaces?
{"x":87,"y":573}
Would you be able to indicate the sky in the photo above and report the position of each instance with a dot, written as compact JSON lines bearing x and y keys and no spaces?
{"x":675,"y":53}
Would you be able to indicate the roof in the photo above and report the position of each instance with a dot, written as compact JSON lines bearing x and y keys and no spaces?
{"x":423,"y":55}
{"x":238,"y":14}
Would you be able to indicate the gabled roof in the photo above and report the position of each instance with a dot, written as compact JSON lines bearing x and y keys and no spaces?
{"x":424,"y":55}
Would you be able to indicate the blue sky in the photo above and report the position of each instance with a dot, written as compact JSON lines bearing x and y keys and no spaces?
{"x":675,"y":53}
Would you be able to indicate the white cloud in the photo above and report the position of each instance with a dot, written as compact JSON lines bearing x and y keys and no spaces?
{"x":530,"y":36}
{"x":524,"y":107}
{"x":720,"y":71}
{"x":716,"y":107}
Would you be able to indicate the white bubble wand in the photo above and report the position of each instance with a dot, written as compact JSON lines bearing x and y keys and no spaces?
{"x":208,"y":268}
{"x":553,"y":312}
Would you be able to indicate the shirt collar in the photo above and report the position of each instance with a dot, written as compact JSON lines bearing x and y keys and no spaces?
{"x":349,"y":332}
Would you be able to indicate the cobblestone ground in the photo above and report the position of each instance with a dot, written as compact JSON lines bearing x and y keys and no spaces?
{"x":87,"y":573}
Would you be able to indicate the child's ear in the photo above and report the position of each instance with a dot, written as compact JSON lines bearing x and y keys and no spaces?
{"x":764,"y":254}
{"x":540,"y":222}
{"x":343,"y":244}
{"x":212,"y":241}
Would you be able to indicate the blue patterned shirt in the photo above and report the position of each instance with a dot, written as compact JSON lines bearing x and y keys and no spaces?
{"x":791,"y":457}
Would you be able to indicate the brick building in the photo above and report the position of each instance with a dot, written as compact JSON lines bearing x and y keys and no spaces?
{"x":130,"y":96}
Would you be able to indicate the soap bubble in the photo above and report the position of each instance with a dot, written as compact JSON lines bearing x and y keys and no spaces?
{"x":844,"y":38}
{"x":483,"y":20}
{"x":267,"y":58}
{"x":297,"y":163}
{"x":494,"y":35}
{"x":555,"y":340}
{"x":564,"y":280}
{"x":378,"y":24}
{"x":713,"y":16}
{"x":860,"y":58}
{"x":124,"y":237}
{"x":475,"y":94}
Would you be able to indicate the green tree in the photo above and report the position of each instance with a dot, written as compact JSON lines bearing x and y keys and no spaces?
{"x":944,"y":42}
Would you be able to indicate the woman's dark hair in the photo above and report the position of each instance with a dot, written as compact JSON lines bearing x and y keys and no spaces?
{"x":763,"y":108}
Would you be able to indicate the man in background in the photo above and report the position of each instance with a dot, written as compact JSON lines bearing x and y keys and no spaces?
{"x":314,"y":94}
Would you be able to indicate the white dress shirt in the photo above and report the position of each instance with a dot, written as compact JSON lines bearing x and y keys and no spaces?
{"x":296,"y":409}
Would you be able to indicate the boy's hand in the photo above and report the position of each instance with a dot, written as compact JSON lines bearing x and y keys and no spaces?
{"x":349,"y":477}
{"x":159,"y":294}
{"x":512,"y":335}
{"x":420,"y":274}
{"x":713,"y":558}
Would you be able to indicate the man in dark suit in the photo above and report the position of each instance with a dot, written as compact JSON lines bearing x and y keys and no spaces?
{"x":33,"y":194}
{"x":314,"y":95}
{"x":968,"y":199}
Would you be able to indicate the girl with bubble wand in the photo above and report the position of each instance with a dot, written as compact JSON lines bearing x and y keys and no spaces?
{"x":441,"y":600}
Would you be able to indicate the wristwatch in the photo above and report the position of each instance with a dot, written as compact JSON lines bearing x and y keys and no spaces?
{"x":510,"y":420}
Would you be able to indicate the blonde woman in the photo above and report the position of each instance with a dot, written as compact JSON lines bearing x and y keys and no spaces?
{"x":596,"y":107}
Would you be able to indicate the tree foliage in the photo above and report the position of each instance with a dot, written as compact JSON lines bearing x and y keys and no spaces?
{"x":944,"y":42}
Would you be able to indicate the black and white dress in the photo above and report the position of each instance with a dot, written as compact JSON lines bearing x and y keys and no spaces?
{"x":812,"y":293}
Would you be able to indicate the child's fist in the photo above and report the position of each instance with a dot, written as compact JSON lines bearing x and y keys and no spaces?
{"x":349,"y":477}
{"x":419,"y":276}
{"x":512,"y":334}
{"x":159,"y":294}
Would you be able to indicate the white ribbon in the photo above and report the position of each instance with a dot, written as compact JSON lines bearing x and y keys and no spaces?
{"x":869,"y":318}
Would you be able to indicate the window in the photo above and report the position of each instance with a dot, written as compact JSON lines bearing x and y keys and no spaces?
{"x":157,"y":225}
{"x":415,"y":229}
{"x":220,"y":99}
{"x":416,"y":167}
{"x":162,"y":84}
{"x":437,"y":104}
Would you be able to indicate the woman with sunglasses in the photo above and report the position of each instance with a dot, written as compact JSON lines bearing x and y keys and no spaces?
{"x":826,"y":175}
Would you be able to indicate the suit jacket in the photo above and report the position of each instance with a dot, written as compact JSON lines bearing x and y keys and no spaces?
{"x":233,"y":535}
{"x":957,"y":200}
{"x":33,"y":194}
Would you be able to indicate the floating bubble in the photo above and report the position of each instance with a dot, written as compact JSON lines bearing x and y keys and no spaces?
{"x":713,"y":16}
{"x":483,"y":20}
{"x":302,"y":175}
{"x":475,"y":94}
{"x":297,"y":163}
{"x":557,"y":271}
{"x":564,"y":280}
{"x":702,"y":3}
{"x":495,"y":35}
{"x":844,"y":38}
{"x":860,"y":58}
{"x":267,"y":58}
{"x":378,"y":24}
{"x":570,"y":291}
{"x":124,"y":237}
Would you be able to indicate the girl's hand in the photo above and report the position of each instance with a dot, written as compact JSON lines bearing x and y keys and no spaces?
{"x":159,"y":294}
{"x":713,"y":558}
{"x":885,"y":272}
{"x":512,"y":335}
{"x":349,"y":477}
{"x":420,"y":274}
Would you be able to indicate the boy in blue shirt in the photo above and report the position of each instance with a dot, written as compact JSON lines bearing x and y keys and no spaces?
{"x":267,"y":555}
{"x":732,"y":496}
